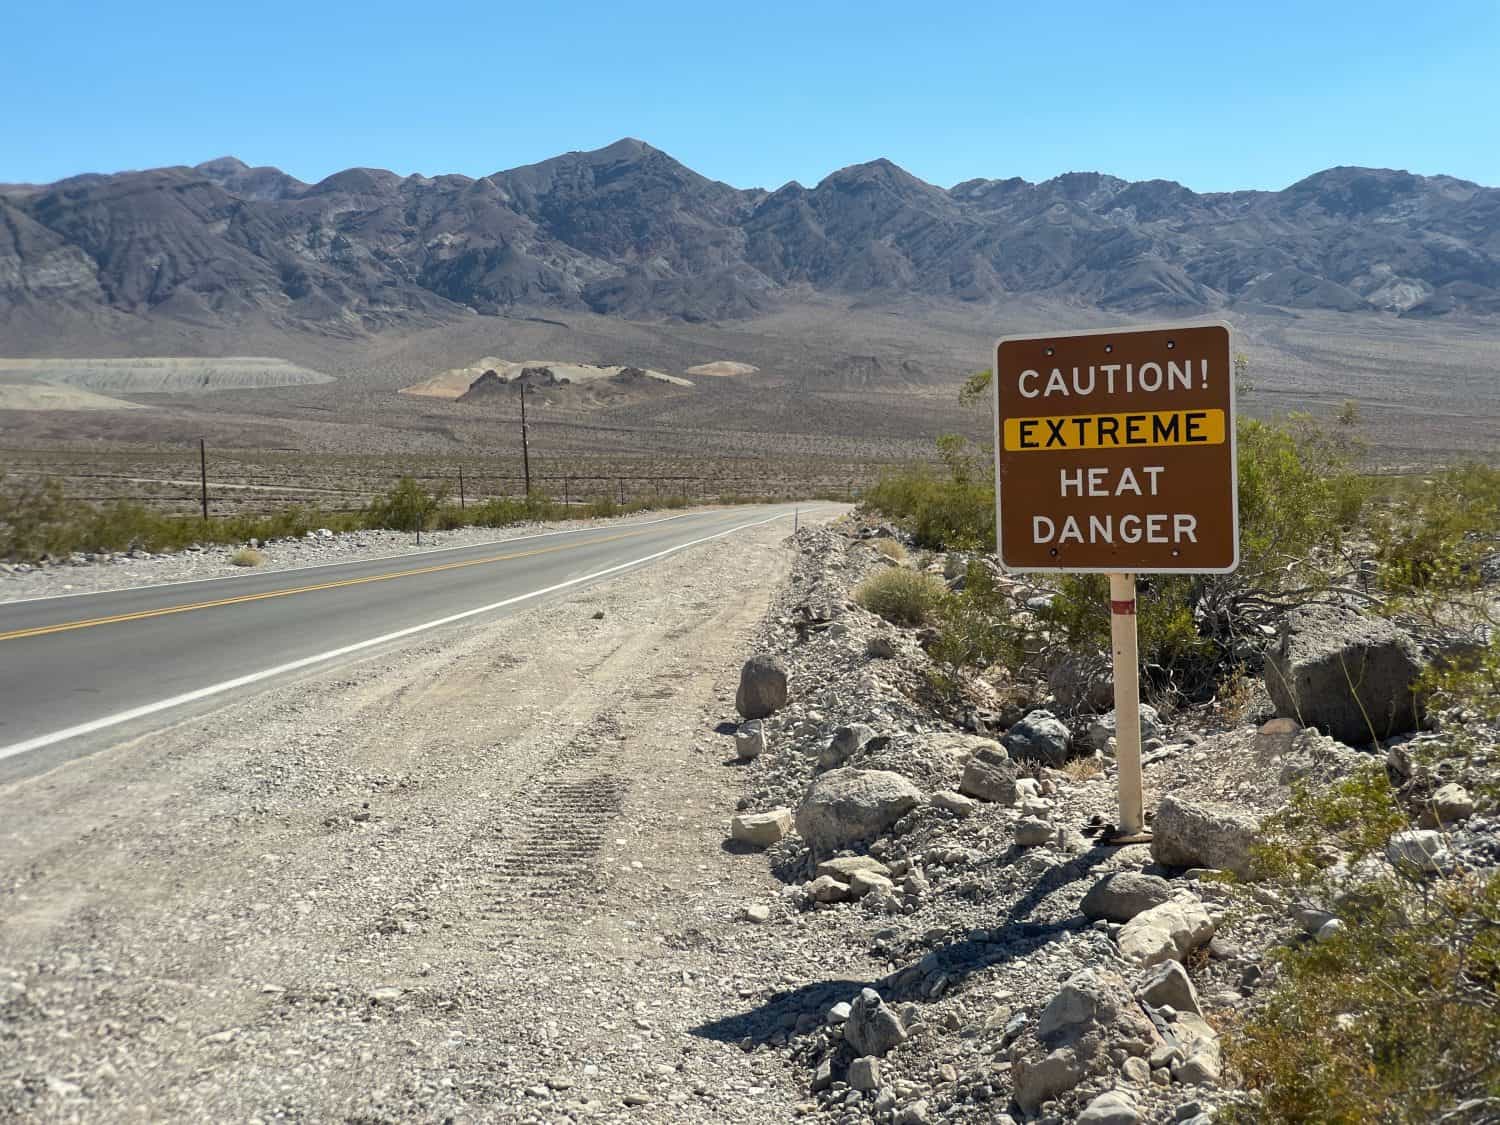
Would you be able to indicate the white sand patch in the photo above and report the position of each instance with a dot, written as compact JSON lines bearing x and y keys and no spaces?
{"x":455,"y":381}
{"x":723,"y":368}
{"x":165,"y":374}
{"x":40,"y":396}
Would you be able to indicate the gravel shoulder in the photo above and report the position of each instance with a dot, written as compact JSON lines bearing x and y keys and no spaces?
{"x":91,"y":574}
{"x":481,"y":878}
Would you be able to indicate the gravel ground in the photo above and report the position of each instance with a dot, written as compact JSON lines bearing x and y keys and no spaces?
{"x":88,"y":574}
{"x":480,"y":879}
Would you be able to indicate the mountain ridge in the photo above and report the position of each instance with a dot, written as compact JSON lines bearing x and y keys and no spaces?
{"x":627,"y":230}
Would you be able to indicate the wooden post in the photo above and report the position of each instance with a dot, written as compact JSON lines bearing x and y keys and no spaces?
{"x":461,"y":504}
{"x":621,"y":482}
{"x":525,"y":445}
{"x":203,"y":475}
{"x":565,"y":490}
{"x":1132,"y":826}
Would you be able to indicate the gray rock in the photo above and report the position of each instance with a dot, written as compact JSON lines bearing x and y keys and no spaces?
{"x":1091,"y":1000}
{"x":763,"y":688}
{"x":1449,"y":805}
{"x":1137,"y":1070}
{"x":1189,"y":834}
{"x":1082,"y":684}
{"x":844,"y":867}
{"x":864,"y":1073}
{"x":914,"y":1114}
{"x":873,"y":1027}
{"x":1169,"y":931}
{"x":1113,"y":1107}
{"x":1419,"y":851}
{"x":867,"y":882}
{"x":750,"y":740}
{"x":846,"y":806}
{"x":881,"y":647}
{"x":1121,"y":895}
{"x":1040,"y":737}
{"x":1046,"y":1078}
{"x":1202,"y":1061}
{"x":1348,"y":675}
{"x":825,"y":888}
{"x":761,"y":829}
{"x":955,"y":803}
{"x":845,"y":743}
{"x":1102,"y":729}
{"x":1031,"y":832}
{"x":839,"y":1013}
{"x":1166,"y":984}
{"x":990,"y":775}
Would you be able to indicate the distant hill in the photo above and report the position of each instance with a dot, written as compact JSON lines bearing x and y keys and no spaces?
{"x":629,"y":231}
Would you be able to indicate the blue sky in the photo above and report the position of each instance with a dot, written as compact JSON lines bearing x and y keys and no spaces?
{"x":1217,"y":96}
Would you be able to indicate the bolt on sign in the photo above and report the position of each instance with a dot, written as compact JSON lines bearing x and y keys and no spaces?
{"x":1115,"y":451}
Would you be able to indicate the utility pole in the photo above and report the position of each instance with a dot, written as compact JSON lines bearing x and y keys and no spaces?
{"x":203,"y":475}
{"x":525,"y":446}
{"x":461,"y":504}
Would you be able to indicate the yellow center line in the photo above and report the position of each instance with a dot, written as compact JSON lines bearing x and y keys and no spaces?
{"x":43,"y":630}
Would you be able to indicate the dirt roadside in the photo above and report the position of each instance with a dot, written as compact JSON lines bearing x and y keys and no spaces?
{"x":483,"y":878}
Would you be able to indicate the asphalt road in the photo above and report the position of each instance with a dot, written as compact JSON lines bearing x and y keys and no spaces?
{"x":83,"y":671}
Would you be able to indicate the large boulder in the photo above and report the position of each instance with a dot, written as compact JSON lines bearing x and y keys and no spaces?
{"x":1166,"y":984}
{"x":1082,"y":683}
{"x":1167,"y":932}
{"x":762,"y":687}
{"x":1348,"y":675}
{"x":1039,"y":737}
{"x":990,"y":775}
{"x":845,"y":806}
{"x":1195,"y":834}
{"x":1121,"y":895}
{"x":1046,"y":1078}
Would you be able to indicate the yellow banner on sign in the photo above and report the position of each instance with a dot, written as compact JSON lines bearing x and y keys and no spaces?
{"x":1142,"y":430}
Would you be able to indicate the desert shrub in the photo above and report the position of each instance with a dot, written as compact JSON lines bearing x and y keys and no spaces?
{"x":247,"y":556}
{"x":602,"y":508}
{"x":948,"y":510}
{"x":890,"y":548}
{"x":406,"y":507}
{"x":1434,"y":537}
{"x":1397,"y":1017}
{"x":672,"y":503}
{"x":975,"y":624}
{"x":901,"y":596}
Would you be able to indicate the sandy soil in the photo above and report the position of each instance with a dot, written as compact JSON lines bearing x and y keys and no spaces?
{"x":40,"y":396}
{"x":166,"y":374}
{"x":723,"y":368}
{"x":477,"y":879}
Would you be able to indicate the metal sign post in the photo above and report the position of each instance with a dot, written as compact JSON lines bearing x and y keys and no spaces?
{"x":1115,"y":454}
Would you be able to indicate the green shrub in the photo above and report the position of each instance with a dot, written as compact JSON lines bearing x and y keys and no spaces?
{"x":890,"y":548}
{"x":944,"y":511}
{"x":975,"y":625}
{"x":247,"y":556}
{"x":406,"y":507}
{"x":901,"y":596}
{"x":1397,"y":1018}
{"x":1433,"y":537}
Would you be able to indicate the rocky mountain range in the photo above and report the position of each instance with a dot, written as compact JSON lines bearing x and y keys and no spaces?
{"x":629,"y":231}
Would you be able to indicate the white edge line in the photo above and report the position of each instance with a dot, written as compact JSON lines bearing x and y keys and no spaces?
{"x":95,"y":725}
{"x":355,"y":562}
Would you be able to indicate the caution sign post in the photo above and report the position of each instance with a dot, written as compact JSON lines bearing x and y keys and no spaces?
{"x":1114,"y":453}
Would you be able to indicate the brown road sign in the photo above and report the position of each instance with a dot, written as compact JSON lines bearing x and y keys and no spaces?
{"x":1114,"y":451}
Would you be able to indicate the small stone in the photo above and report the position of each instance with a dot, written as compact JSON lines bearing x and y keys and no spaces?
{"x":1161,"y":1077}
{"x":864,"y":1073}
{"x":955,"y":803}
{"x":1031,"y":832}
{"x":1193,"y":1109}
{"x":758,"y":912}
{"x":1113,"y":1107}
{"x":873,"y":1027}
{"x":637,"y":1099}
{"x":1328,"y":931}
{"x":1121,"y":895}
{"x":881,"y":647}
{"x":1420,"y":851}
{"x":1137,"y":1070}
{"x":1040,"y":736}
{"x":914,"y":1114}
{"x":1449,"y":805}
{"x":825,"y":888}
{"x":750,"y":740}
{"x":843,"y":867}
{"x":863,"y":882}
{"x":839,"y":1013}
{"x":1167,"y":984}
{"x":761,"y":829}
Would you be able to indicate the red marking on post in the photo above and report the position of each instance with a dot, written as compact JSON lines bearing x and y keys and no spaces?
{"x":1125,"y":608}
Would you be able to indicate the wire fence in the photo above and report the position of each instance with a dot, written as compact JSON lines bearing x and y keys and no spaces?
{"x":265,"y":491}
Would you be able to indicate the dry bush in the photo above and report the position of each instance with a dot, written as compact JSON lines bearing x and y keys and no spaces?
{"x":901,"y":596}
{"x":247,"y":556}
{"x":890,"y":548}
{"x":1081,"y":769}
